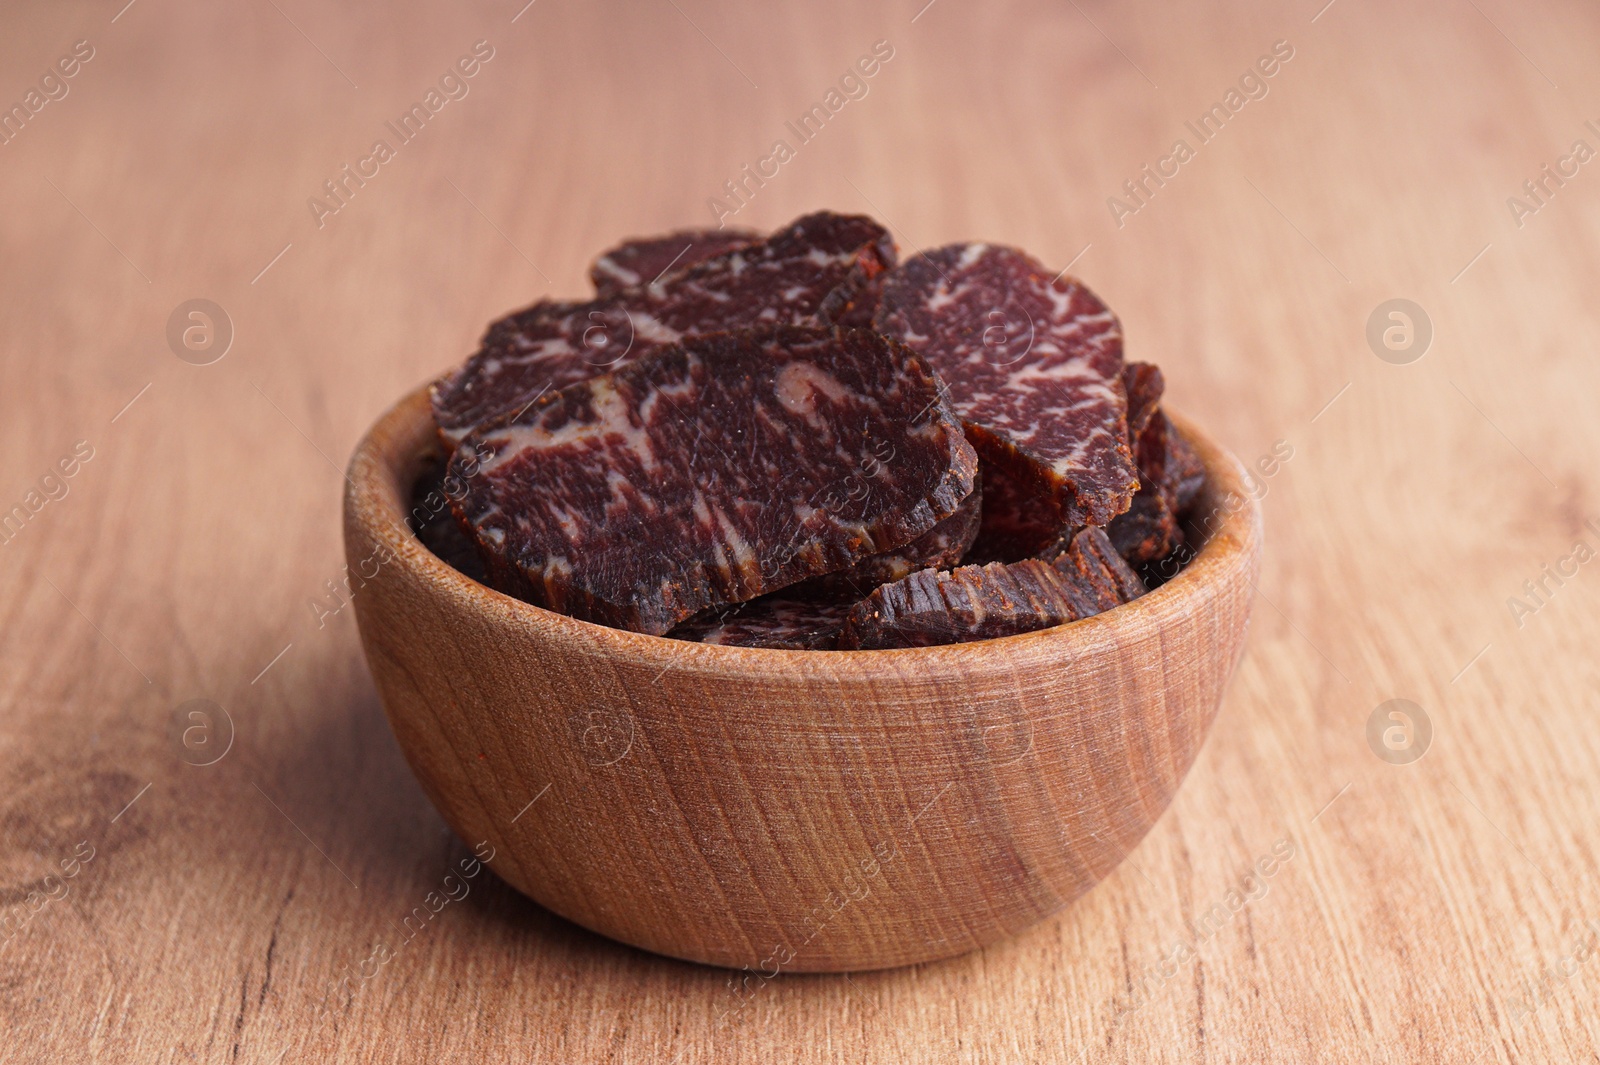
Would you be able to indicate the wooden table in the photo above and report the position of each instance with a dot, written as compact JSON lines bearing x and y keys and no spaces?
{"x":1442,"y":909}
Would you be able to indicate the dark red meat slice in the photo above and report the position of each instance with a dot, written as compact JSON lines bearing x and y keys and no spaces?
{"x":644,"y":259}
{"x":434,"y":523}
{"x":714,"y":472}
{"x":932,"y":607}
{"x":776,"y":621}
{"x":1184,"y":468}
{"x":1145,"y":385}
{"x":807,"y":273}
{"x":1186,"y":476}
{"x":1149,"y":528}
{"x":940,"y":547}
{"x":864,"y":311}
{"x":1096,"y":571}
{"x":1033,"y":366}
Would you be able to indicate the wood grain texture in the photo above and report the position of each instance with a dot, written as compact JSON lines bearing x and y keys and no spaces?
{"x":786,"y":812}
{"x":1431,"y":911}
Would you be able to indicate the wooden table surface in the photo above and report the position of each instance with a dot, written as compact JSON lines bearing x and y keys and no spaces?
{"x":224,"y":880}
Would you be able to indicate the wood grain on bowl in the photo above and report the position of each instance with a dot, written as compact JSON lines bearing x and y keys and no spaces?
{"x":804,"y":811}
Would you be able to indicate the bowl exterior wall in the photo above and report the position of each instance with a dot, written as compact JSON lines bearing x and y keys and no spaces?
{"x":791,"y":811}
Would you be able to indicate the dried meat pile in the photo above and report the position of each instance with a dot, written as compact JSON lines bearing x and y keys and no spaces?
{"x":797,"y":441}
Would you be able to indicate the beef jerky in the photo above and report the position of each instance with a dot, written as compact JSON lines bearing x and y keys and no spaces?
{"x":1034,"y":367}
{"x":932,"y":607}
{"x":776,"y":621}
{"x":1149,"y":528}
{"x":1187,"y":475}
{"x":716,"y":471}
{"x":433,"y":521}
{"x":1186,"y":471}
{"x":1096,"y":571}
{"x":864,"y":311}
{"x":807,"y":273}
{"x":940,"y":547}
{"x":1145,"y":384}
{"x":643,"y":260}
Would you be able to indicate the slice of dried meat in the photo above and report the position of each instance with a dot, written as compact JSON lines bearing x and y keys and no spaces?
{"x":808,"y":273}
{"x":775,"y":621}
{"x":933,"y":607}
{"x":864,"y":311}
{"x":1033,"y":365}
{"x":940,"y":548}
{"x":1187,"y":472}
{"x":1145,"y":386}
{"x":1149,"y":528}
{"x":1187,"y":477}
{"x":434,"y":522}
{"x":716,"y":471}
{"x":1096,"y":571}
{"x":643,"y":260}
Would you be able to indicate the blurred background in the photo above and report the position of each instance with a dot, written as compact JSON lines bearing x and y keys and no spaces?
{"x":1441,"y":903}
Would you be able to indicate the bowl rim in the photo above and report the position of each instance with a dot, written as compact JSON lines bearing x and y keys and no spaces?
{"x":384,"y":464}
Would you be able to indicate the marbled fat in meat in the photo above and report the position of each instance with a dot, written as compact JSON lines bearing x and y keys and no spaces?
{"x":716,"y":471}
{"x":808,"y":273}
{"x":1033,"y":365}
{"x":643,"y":260}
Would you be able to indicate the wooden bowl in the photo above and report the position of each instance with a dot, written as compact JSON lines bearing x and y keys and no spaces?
{"x":791,"y":810}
